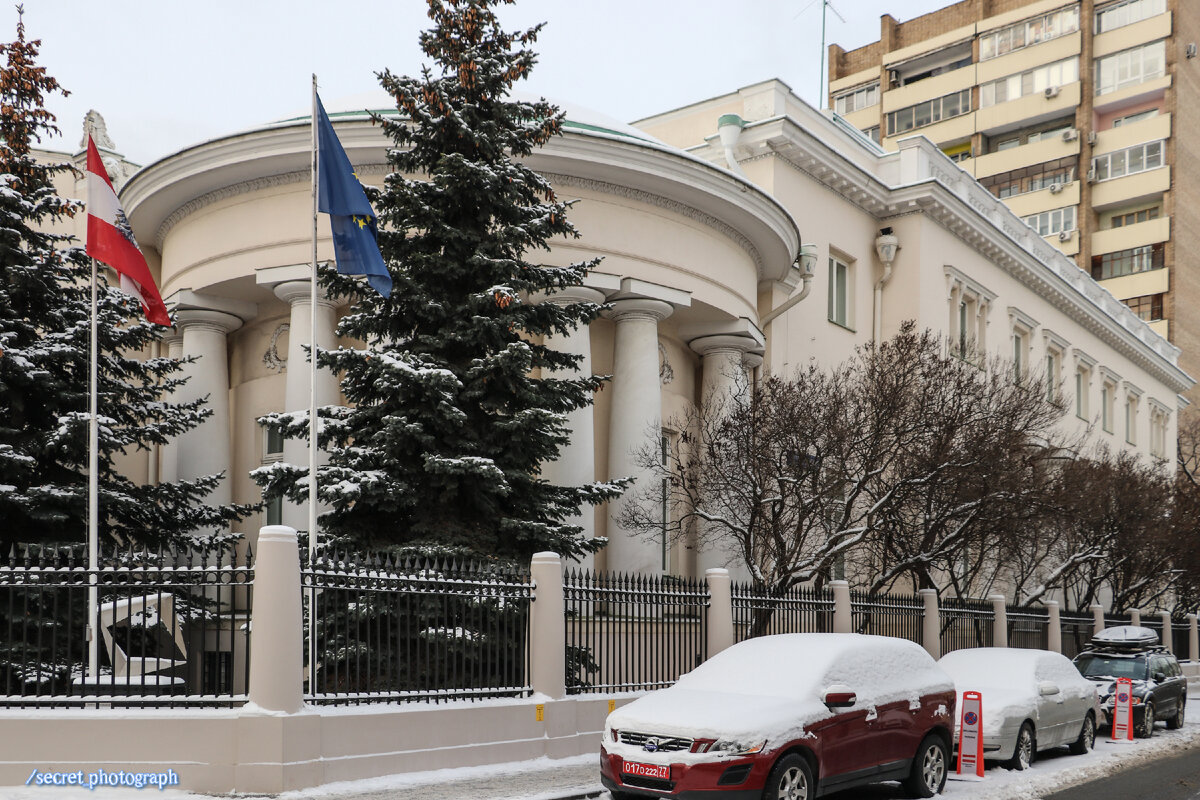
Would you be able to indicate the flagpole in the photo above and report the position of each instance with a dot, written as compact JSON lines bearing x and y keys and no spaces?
{"x":93,"y":533}
{"x":312,"y":402}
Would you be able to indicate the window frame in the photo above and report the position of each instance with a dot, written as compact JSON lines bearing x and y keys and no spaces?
{"x":1129,"y":19}
{"x":1125,"y":61}
{"x":1066,"y":22}
{"x":865,"y":91}
{"x":935,"y":112}
{"x":846,"y":307}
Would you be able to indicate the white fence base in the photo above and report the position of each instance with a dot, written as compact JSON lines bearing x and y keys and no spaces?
{"x":219,"y":751}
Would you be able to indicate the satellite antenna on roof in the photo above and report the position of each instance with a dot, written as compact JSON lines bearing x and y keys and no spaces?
{"x":825,"y":4}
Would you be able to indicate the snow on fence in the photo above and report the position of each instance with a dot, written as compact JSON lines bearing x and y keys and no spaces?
{"x":898,"y":615}
{"x":758,"y":611}
{"x":416,"y":628}
{"x":966,"y":623}
{"x":171,"y":626}
{"x":628,"y":632}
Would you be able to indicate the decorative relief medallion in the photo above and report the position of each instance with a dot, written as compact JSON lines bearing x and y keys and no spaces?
{"x":271,"y":357}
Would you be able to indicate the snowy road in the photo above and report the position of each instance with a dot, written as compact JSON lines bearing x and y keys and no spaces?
{"x":543,"y":779}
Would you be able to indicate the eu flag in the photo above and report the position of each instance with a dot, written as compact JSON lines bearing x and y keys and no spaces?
{"x":341,"y":196}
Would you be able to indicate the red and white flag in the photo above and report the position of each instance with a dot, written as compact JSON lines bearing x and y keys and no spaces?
{"x":110,"y":239}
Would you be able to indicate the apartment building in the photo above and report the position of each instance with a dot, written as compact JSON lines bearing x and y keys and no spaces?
{"x":1066,"y":111}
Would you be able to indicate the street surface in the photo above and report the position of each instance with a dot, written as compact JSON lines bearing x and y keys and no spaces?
{"x":1174,"y":778}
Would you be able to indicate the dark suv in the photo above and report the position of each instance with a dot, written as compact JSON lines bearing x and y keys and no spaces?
{"x":1159,"y":687}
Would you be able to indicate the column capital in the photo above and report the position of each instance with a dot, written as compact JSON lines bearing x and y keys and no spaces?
{"x":730,"y":343}
{"x":212,"y":320}
{"x":639,"y":308}
{"x":293,"y":292}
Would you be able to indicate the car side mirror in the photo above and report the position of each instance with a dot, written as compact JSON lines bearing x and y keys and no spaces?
{"x":1047,"y":688}
{"x":838,"y":696}
{"x":1159,"y":677}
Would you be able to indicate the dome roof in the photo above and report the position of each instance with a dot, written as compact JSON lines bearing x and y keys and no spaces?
{"x":578,"y":118}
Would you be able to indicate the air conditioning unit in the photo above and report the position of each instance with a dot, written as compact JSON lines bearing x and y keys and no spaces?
{"x":1070,"y":135}
{"x":1052,"y":91}
{"x":1055,"y":188}
{"x":1065,"y":236}
{"x":1091,"y":137}
{"x":1091,"y":176}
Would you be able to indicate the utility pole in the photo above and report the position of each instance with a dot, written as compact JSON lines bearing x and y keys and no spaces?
{"x":825,"y":5}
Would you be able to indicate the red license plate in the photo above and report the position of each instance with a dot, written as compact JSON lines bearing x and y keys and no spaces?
{"x":661,"y":771}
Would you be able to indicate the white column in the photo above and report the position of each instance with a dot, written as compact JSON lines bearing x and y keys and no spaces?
{"x":720,"y":631}
{"x":1054,"y":629}
{"x":208,"y":448}
{"x":547,"y":634}
{"x":298,"y":378}
{"x":634,"y":425}
{"x":723,"y":381}
{"x":168,"y":463}
{"x":1000,"y":624}
{"x":843,"y":609}
{"x":576,"y":462}
{"x":1097,"y":618}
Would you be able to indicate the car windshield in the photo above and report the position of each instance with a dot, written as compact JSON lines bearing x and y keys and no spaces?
{"x":1097,"y":666}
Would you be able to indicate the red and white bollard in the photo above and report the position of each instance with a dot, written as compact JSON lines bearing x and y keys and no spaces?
{"x":970,"y":742}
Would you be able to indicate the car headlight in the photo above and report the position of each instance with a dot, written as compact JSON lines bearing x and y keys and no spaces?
{"x":737,"y":747}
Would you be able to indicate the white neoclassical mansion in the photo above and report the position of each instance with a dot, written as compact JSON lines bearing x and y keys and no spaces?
{"x":742,"y":232}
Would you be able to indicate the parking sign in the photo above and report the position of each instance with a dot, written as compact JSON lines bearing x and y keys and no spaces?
{"x":1122,"y":721}
{"x":970,"y":743}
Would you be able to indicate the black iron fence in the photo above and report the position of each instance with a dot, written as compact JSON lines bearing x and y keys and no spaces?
{"x":898,"y":615}
{"x":627,"y":632}
{"x":758,"y":611}
{"x":409,"y":628}
{"x":966,"y":623}
{"x":170,"y":627}
{"x":1028,"y":626}
{"x":1154,"y":623}
{"x":1077,"y":630}
{"x":1114,"y":620}
{"x":1181,"y":638}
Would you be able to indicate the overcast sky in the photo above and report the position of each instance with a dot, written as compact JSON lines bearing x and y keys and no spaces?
{"x":169,"y":73}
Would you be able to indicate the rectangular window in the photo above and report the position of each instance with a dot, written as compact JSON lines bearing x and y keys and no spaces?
{"x":1018,"y":356}
{"x":1034,"y":81}
{"x":1130,"y":67}
{"x":1133,"y":217}
{"x":1129,"y":119}
{"x":839,"y":292}
{"x":1118,"y":15}
{"x":1052,"y":361}
{"x":1128,"y":262}
{"x":1041,"y":28}
{"x":872,"y":133}
{"x":1054,"y":221}
{"x":929,"y":112}
{"x":1130,"y":161}
{"x":1147,"y":307}
{"x":274,"y":511}
{"x":1036,"y":177}
{"x":1131,"y":419}
{"x":1107,"y":393}
{"x":963,"y":329}
{"x":856,"y":99}
{"x":1082,"y":382}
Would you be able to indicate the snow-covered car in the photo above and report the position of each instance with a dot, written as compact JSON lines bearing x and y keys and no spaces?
{"x":1031,"y":700}
{"x":790,"y":716}
{"x":1158,"y":684}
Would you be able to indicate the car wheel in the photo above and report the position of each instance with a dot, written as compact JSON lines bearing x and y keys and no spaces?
{"x":929,"y":768}
{"x":1087,"y":738}
{"x":790,"y":779}
{"x":1146,"y":729}
{"x":1176,"y":722}
{"x":1022,"y":757}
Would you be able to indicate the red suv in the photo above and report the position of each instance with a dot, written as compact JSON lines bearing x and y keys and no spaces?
{"x":796,"y":716}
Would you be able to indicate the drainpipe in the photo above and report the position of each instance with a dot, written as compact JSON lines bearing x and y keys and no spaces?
{"x":729,"y":126}
{"x":886,"y":245}
{"x":807,"y":261}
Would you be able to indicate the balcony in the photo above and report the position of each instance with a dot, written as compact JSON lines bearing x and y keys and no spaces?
{"x":1028,"y":110}
{"x":954,"y":129}
{"x":864,"y":118}
{"x":1139,"y":284}
{"x":1031,"y":57}
{"x":1023,"y":156}
{"x":937,"y":86}
{"x":1147,"y":90}
{"x":1141,"y":233}
{"x":1131,"y":188}
{"x":1123,"y":38}
{"x":1146,"y":130}
{"x":1043,"y":200}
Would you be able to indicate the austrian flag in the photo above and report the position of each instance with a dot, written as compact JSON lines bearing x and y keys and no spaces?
{"x":110,"y":239}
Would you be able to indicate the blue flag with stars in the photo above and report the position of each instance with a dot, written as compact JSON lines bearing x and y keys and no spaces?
{"x":341,"y":196}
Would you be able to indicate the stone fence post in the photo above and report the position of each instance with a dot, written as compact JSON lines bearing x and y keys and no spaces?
{"x":1135,"y":617}
{"x":547,"y":627}
{"x":1168,"y":626}
{"x":1000,"y":622}
{"x":1053,"y":627}
{"x":277,"y":628}
{"x":931,"y":624}
{"x":720,"y":610}
{"x":1193,"y":639}
{"x":843,"y":615}
{"x":1097,"y":618}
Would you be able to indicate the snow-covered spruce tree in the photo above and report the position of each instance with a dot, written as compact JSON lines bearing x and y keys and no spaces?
{"x":44,"y":332}
{"x":450,"y":420}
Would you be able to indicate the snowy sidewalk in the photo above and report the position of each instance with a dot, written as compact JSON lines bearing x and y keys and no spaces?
{"x":579,"y":777}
